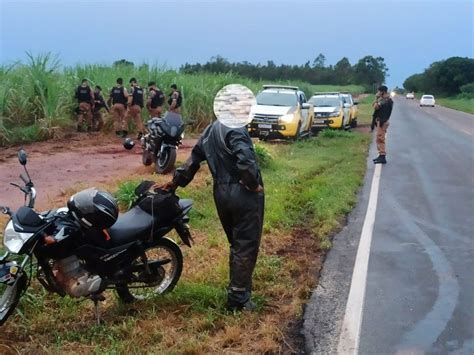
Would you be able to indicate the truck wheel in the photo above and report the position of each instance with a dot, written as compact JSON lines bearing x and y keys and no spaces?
{"x":297,"y":136}
{"x":354,"y":123}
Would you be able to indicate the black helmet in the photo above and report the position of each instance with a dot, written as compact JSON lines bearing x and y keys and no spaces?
{"x":94,"y":208}
{"x":128,"y":143}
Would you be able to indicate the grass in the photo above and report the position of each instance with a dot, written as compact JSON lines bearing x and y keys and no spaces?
{"x":460,"y":104}
{"x":310,"y":186}
{"x":365,"y":110}
{"x":37,"y":101}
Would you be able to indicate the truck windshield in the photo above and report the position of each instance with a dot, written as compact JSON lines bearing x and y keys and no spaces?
{"x":276,"y":99}
{"x":324,"y":101}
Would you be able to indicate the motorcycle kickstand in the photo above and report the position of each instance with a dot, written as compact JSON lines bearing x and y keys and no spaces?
{"x":96,"y":299}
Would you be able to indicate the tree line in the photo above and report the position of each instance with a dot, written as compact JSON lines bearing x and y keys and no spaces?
{"x":448,"y":77}
{"x":368,"y":71}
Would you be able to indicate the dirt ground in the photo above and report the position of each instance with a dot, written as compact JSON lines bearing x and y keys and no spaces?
{"x":80,"y":159}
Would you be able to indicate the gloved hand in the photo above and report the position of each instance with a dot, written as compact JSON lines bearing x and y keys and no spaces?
{"x":169,"y":186}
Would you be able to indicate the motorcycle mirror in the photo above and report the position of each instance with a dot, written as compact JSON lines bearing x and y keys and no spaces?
{"x":233,"y":105}
{"x":22,"y":157}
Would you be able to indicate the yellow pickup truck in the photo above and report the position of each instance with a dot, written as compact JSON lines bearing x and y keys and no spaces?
{"x":281,"y":112}
{"x":353,"y":109}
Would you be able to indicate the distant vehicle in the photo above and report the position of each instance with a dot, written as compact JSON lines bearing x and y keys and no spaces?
{"x":281,"y":112}
{"x":427,"y":100}
{"x":353,"y":109}
{"x":330,"y":110}
{"x":410,"y":96}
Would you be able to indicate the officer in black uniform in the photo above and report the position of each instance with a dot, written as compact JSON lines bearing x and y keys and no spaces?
{"x":175,"y":100}
{"x":136,"y":105}
{"x":85,"y":98}
{"x":380,"y":118}
{"x":119,"y":98}
{"x":155,"y":100}
{"x":239,"y":199}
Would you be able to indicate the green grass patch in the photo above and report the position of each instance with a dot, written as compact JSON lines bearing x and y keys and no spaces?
{"x":460,"y":104}
{"x":310,"y":187}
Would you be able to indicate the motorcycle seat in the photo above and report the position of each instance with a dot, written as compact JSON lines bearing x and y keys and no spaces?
{"x":130,"y":225}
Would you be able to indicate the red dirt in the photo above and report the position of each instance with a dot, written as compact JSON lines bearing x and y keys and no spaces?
{"x":80,"y":158}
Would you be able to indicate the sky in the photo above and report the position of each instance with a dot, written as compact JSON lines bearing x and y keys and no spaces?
{"x":409,"y":35}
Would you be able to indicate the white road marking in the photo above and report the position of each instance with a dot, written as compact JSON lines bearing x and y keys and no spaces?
{"x":350,"y":332}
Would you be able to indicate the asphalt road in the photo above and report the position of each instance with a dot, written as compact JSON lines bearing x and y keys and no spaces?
{"x":419,"y":285}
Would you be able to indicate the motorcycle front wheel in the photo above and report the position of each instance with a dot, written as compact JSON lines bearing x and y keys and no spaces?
{"x":165,"y":161}
{"x":147,"y":157}
{"x":165,"y":262}
{"x":10,"y":296}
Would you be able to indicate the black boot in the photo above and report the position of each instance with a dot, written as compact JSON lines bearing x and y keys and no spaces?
{"x":380,"y":160}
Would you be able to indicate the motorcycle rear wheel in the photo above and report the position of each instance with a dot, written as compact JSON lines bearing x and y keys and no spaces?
{"x":165,"y":161}
{"x":10,"y":296}
{"x":164,"y":277}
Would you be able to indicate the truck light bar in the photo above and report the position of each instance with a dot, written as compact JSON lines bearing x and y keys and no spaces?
{"x":280,"y":87}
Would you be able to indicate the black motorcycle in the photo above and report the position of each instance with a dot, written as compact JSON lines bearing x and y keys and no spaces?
{"x":161,"y":143}
{"x":86,"y":248}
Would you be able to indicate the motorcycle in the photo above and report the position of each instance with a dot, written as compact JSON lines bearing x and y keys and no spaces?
{"x":132,"y":255}
{"x":161,"y":143}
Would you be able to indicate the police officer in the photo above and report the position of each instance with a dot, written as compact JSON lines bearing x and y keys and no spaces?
{"x":175,"y":99}
{"x":136,"y":105}
{"x":85,"y":98}
{"x":382,"y":110}
{"x":239,"y":199}
{"x":99,"y":104}
{"x":155,"y":100}
{"x":119,"y":98}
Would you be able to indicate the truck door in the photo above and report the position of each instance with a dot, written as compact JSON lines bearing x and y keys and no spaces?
{"x":347,"y":111}
{"x":304,"y":112}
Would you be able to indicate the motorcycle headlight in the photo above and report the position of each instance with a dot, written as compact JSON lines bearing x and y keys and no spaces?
{"x":287,"y":118}
{"x":334,"y":114}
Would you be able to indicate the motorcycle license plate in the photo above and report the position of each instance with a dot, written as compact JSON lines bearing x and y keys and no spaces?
{"x":265,"y":126}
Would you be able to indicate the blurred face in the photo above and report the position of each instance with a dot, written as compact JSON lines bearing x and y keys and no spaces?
{"x":85,"y":83}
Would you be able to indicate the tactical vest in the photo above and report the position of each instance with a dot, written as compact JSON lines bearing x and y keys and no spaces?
{"x":137,"y":96}
{"x":158,"y":99}
{"x":84,"y":94}
{"x":118,"y":97}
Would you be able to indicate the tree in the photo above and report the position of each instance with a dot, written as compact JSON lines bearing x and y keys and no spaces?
{"x":343,"y":72}
{"x":443,"y":77}
{"x":320,"y":61}
{"x":370,"y":71}
{"x":123,"y":62}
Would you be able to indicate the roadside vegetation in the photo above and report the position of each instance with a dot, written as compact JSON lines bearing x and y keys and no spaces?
{"x":457,"y":103}
{"x":310,"y":185}
{"x":37,"y":97}
{"x":450,"y":80}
